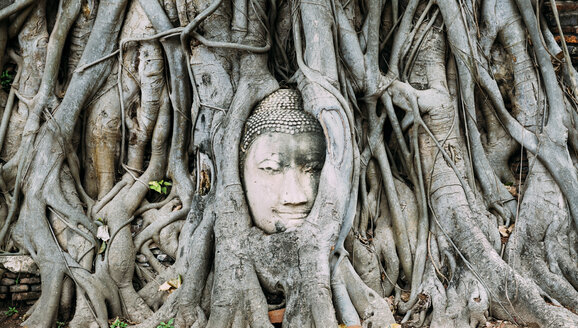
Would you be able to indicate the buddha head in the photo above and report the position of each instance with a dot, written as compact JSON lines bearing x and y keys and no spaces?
{"x":282,"y":154}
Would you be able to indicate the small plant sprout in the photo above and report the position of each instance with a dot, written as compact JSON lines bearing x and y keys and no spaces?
{"x":118,"y":324}
{"x":6,"y":79}
{"x":11,"y":311}
{"x":160,"y":186}
{"x":168,"y":324}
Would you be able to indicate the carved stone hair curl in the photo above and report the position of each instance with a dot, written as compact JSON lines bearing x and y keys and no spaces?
{"x":282,"y":111}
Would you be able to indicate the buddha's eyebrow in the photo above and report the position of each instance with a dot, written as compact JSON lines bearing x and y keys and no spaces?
{"x":314,"y":154}
{"x":271,"y":157}
{"x":310,"y":160}
{"x":269,"y":160}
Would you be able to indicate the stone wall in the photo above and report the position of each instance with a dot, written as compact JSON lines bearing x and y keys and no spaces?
{"x":568,"y":12}
{"x":19,"y":287}
{"x":19,"y":279}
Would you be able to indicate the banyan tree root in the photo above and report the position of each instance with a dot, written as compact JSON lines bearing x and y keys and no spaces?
{"x":411,"y":127}
{"x":44,"y":162}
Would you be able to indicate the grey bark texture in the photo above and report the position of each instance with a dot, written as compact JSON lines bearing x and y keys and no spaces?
{"x":448,"y":196}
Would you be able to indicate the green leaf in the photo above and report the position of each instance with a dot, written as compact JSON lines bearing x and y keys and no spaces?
{"x":155,"y":185}
{"x":6,"y":79}
{"x":118,"y":324}
{"x":160,"y":186}
{"x":11,"y":311}
{"x":102,"y":247}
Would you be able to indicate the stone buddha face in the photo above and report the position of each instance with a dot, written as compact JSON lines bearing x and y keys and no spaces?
{"x":284,"y":152}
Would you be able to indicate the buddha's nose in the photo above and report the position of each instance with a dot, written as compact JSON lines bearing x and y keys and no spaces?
{"x":295,"y":190}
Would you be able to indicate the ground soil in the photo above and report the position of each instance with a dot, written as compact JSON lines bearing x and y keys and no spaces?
{"x":14,"y":320}
{"x":9,"y":319}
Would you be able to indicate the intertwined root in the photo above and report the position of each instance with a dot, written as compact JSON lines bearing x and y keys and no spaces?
{"x":453,"y":119}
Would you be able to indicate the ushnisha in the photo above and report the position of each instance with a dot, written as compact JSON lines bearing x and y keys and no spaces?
{"x":282,"y":111}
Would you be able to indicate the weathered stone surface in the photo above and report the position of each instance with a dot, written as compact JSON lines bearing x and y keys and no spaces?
{"x":5,"y":3}
{"x":20,"y":280}
{"x":8,"y":274}
{"x":19,"y":263}
{"x":19,"y":288}
{"x":568,"y":11}
{"x":25,"y":296}
{"x":7,"y":282}
{"x":141,"y":258}
{"x":162,"y":257}
{"x":30,"y":280}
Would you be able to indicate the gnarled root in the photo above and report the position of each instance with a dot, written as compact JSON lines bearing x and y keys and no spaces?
{"x":371,"y":307}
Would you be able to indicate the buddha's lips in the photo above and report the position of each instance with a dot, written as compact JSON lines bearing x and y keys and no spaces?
{"x":291,"y":215}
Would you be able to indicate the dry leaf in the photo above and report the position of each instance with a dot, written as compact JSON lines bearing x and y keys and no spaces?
{"x":171,"y":285}
{"x":102,"y":233}
{"x":512,"y":190}
{"x":165,"y":287}
{"x":176,"y":283}
{"x":405,"y":296}
{"x":102,"y":247}
{"x":86,"y":10}
{"x":276,"y":316}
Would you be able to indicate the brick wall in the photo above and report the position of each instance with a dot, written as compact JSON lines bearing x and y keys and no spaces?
{"x":568,"y":12}
{"x":19,"y":287}
{"x":19,"y":279}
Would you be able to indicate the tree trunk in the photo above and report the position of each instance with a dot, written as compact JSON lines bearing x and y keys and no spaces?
{"x":447,"y":196}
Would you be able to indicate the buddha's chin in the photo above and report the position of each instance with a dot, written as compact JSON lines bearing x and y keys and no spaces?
{"x":283,"y":223}
{"x":287,"y":225}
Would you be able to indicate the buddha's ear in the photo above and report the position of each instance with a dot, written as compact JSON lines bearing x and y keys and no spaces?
{"x":327,"y":104}
{"x":334,"y":129}
{"x":334,"y":207}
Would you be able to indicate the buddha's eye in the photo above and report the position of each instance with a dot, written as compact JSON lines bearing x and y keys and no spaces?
{"x":313,"y":167}
{"x":271,"y":167}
